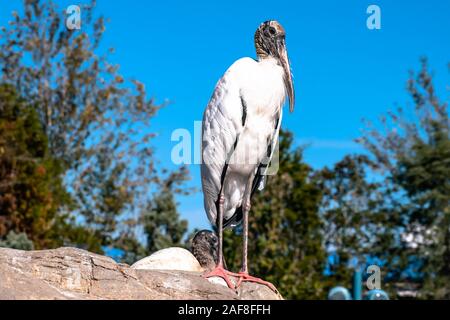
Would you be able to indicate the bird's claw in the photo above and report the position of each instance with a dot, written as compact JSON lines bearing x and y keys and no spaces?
{"x":245,"y":277}
{"x":221,"y":272}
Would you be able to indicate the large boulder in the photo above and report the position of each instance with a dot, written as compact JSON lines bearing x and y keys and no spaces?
{"x":70,"y":273}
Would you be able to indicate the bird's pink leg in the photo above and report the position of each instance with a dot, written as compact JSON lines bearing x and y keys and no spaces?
{"x":243,"y":274}
{"x":219,"y":270}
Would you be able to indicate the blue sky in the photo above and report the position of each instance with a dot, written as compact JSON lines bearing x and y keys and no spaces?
{"x":343,"y":72}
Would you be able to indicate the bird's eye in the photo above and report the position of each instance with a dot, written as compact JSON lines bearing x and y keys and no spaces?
{"x":270,"y":31}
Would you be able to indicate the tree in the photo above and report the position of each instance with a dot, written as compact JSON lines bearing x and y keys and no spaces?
{"x":343,"y":207}
{"x":360,"y":227}
{"x":33,"y":200}
{"x":29,"y":193}
{"x":414,"y":154}
{"x":162,"y":224}
{"x":285,"y":238}
{"x":18,"y":241}
{"x":95,"y":122}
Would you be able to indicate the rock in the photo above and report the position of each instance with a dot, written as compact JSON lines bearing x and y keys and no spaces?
{"x":69,"y":273}
{"x":219,"y":281}
{"x":169,"y":259}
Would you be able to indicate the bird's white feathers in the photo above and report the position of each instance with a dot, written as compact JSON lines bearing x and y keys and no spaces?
{"x":240,"y":122}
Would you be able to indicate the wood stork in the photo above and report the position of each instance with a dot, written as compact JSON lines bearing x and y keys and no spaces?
{"x":239,"y":133}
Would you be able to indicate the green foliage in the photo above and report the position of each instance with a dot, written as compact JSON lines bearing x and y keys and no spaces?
{"x":133,"y":249}
{"x":346,"y":209}
{"x":414,"y":154}
{"x":162,"y":224}
{"x":285,"y":238}
{"x":95,"y":121}
{"x":89,"y":127}
{"x":17,"y":241}
{"x":33,"y":199}
{"x":30,"y":189}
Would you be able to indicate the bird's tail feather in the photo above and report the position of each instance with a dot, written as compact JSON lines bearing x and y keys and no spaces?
{"x":235,"y":220}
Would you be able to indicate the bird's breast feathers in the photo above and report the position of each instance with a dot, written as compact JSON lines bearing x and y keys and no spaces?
{"x":244,"y":108}
{"x":239,"y":123}
{"x":260,"y":84}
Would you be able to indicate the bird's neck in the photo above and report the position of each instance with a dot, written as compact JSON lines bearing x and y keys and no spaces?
{"x":261,"y":54}
{"x":267,"y":59}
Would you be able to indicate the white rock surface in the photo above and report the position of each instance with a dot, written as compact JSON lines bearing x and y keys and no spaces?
{"x":169,"y":259}
{"x":220,"y":281}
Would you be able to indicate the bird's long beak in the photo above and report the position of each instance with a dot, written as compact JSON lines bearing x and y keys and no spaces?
{"x":288,"y":82}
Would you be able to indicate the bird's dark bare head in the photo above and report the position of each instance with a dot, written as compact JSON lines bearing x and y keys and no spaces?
{"x":205,"y":237}
{"x":267,"y":37}
{"x":270,"y":41}
{"x":204,"y":248}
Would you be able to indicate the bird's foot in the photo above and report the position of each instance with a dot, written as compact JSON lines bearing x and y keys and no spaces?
{"x":221,"y":272}
{"x":245,"y":277}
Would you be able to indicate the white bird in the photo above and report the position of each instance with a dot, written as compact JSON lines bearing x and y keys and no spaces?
{"x":240,"y":129}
